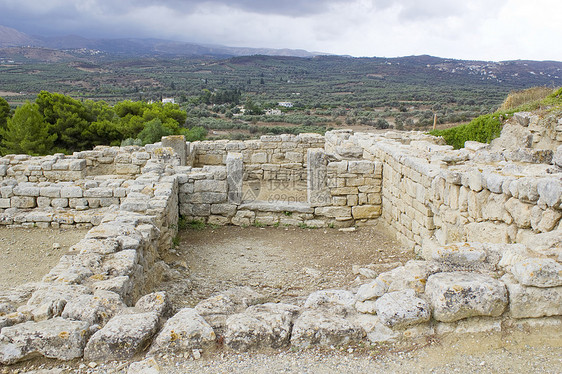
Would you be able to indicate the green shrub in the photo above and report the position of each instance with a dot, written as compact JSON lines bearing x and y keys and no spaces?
{"x":481,"y":129}
{"x":488,"y":127}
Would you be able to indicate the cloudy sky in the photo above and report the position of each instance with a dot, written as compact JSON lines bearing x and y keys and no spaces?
{"x":467,"y":29}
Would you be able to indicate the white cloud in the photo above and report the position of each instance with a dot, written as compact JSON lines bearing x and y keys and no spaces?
{"x":476,"y":29}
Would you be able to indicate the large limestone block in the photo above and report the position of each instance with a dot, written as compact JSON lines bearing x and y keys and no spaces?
{"x":484,"y":232}
{"x":261,"y":326}
{"x":366,"y":211}
{"x":520,"y":211}
{"x":330,"y":297}
{"x":371,"y":290}
{"x":320,"y":327}
{"x":458,"y":295}
{"x":413,"y":275}
{"x":122,"y":337}
{"x":178,"y":144}
{"x":186,"y":330}
{"x":54,"y":338}
{"x":526,"y":302}
{"x":402,"y":308}
{"x":98,"y":308}
{"x":461,"y":254}
{"x":216,"y":308}
{"x":538,"y":272}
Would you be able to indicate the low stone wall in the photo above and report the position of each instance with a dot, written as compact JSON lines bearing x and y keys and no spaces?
{"x":432,"y":196}
{"x":103,"y":160}
{"x":432,"y":192}
{"x":348,"y":192}
{"x":269,"y":149}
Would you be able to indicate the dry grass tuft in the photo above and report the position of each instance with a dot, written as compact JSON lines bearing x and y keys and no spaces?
{"x":529,"y":95}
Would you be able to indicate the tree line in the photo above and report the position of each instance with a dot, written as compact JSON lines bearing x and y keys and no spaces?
{"x":56,"y":123}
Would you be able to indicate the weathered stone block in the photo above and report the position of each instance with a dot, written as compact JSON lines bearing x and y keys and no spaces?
{"x":261,"y":326}
{"x":538,"y":272}
{"x":122,"y":337}
{"x":23,"y":202}
{"x":55,"y":338}
{"x":459,"y":295}
{"x":366,"y":211}
{"x":401,"y":309}
{"x":319,"y":327}
{"x":186,"y":330}
{"x":532,"y":302}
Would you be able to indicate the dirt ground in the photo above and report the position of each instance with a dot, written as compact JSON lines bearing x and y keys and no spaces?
{"x":284,"y":263}
{"x":27,"y":254}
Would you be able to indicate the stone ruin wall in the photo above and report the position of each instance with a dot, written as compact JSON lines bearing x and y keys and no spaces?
{"x":430,"y":194}
{"x":347,"y":192}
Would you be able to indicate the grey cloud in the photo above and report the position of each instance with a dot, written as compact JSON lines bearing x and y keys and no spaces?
{"x":279,"y":7}
{"x":416,"y":10}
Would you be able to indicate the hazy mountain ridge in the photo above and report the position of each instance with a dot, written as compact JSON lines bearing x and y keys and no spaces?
{"x":10,"y":37}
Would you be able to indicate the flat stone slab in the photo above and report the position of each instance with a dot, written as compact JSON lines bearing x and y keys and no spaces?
{"x":402,"y":308}
{"x":538,"y":272}
{"x":186,"y":330}
{"x":261,"y":326}
{"x":122,"y":337}
{"x":458,"y":295}
{"x":54,"y":338}
{"x":278,"y":206}
{"x":320,"y":327}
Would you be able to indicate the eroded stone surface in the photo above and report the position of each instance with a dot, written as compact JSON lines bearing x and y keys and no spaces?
{"x":457,"y":295}
{"x":402,"y":308}
{"x":55,"y":338}
{"x":261,"y":326}
{"x":320,"y":327}
{"x":122,"y":337}
{"x":538,"y":272}
{"x":184,"y":331}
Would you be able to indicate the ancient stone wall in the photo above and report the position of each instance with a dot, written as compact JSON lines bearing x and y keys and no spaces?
{"x":507,"y":202}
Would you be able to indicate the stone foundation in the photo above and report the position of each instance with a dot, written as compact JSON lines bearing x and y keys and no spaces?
{"x":485,"y":221}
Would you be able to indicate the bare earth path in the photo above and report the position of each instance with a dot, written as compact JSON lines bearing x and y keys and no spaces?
{"x":284,"y":263}
{"x":27,"y":254}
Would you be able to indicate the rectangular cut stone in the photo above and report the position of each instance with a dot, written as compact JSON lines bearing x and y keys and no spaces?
{"x":98,"y":192}
{"x":234,"y":177}
{"x":178,"y":144}
{"x":77,"y":165}
{"x":209,"y":186}
{"x":334,"y":211}
{"x":50,"y":191}
{"x":71,"y":192}
{"x":317,"y":177}
{"x":362,"y":167}
{"x":366,"y":211}
{"x":23,"y":202}
{"x":25,"y":189}
{"x":127,"y":169}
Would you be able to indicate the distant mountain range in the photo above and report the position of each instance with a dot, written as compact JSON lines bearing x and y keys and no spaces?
{"x":95,"y":54}
{"x":10,"y":37}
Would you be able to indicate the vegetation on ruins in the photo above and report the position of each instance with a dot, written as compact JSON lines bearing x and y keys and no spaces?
{"x":487,"y":127}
